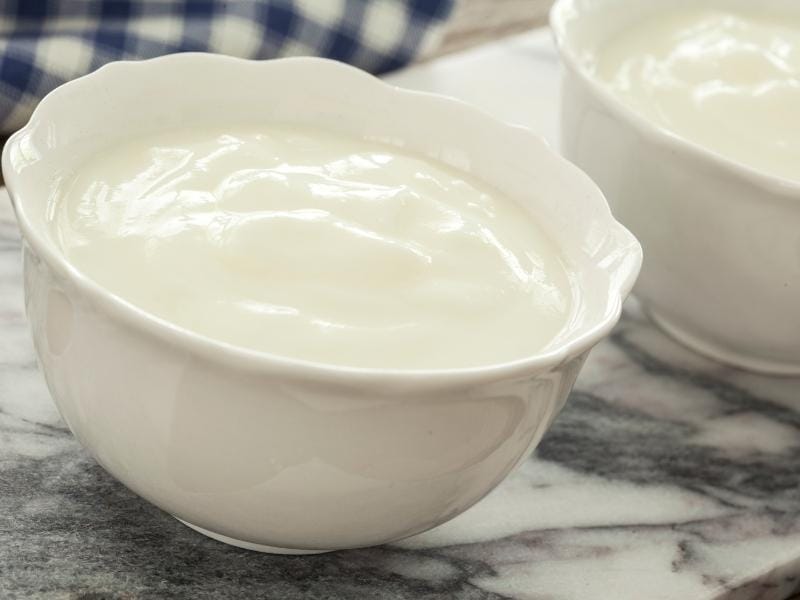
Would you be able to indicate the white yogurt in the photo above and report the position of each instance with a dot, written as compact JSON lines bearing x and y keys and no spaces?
{"x":317,"y":247}
{"x":728,"y":80}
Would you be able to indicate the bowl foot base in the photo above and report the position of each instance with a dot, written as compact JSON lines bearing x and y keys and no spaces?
{"x":249,"y":545}
{"x":718,"y":353}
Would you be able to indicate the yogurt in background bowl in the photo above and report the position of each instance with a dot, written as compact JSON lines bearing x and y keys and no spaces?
{"x":718,"y":218}
{"x":283,"y":453}
{"x":727,"y":79}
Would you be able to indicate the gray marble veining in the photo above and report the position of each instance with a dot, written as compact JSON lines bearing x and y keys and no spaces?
{"x":666,"y":477}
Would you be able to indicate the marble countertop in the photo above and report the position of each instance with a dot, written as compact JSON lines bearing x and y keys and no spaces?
{"x":666,"y":476}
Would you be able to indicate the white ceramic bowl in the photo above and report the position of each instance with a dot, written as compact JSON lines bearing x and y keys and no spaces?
{"x":721,"y":240}
{"x":277,"y":454}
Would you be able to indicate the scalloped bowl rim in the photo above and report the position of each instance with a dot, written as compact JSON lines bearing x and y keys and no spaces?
{"x":265,"y":362}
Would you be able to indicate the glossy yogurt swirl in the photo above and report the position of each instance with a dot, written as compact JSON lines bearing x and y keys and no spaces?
{"x":314,"y":246}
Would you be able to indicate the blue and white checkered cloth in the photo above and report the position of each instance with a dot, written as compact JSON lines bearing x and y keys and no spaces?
{"x":44,"y":43}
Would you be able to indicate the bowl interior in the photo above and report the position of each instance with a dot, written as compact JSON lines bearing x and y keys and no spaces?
{"x":128,"y":99}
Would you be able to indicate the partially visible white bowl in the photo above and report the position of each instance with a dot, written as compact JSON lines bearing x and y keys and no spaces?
{"x":721,"y":240}
{"x":263,"y":451}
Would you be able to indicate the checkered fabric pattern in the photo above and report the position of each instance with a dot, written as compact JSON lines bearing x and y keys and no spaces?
{"x":44,"y":43}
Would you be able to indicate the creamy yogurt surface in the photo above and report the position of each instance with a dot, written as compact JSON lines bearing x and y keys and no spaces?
{"x":313,"y":246}
{"x":726,"y":79}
